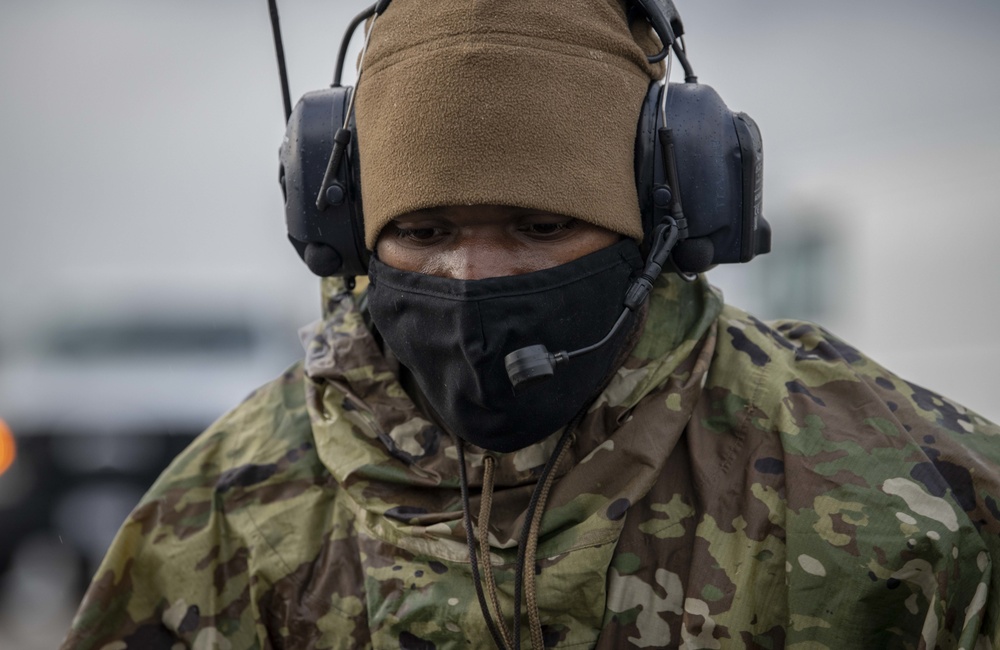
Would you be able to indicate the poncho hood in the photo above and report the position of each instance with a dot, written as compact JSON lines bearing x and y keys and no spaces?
{"x":403,"y":472}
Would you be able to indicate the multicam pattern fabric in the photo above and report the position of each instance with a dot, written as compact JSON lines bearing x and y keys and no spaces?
{"x":737,"y":485}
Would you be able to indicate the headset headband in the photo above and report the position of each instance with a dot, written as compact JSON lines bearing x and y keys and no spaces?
{"x":687,"y":143}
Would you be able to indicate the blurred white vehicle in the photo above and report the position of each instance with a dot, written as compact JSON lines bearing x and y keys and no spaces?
{"x":100,"y":402}
{"x":138,"y":372}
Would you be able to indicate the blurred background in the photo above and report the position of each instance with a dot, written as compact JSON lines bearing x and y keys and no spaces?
{"x":146,"y":284}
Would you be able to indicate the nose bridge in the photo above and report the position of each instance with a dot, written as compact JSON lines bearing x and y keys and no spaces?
{"x":476,"y":259}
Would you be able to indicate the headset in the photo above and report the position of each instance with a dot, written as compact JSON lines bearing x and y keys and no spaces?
{"x":698,"y":164}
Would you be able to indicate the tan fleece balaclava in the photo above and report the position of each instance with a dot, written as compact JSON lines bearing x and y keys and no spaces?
{"x":504,"y":102}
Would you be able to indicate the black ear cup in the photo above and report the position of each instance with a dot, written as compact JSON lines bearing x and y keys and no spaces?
{"x":717,"y":158}
{"x":329,"y":237}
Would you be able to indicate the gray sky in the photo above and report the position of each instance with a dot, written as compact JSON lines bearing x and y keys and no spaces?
{"x":138,"y":154}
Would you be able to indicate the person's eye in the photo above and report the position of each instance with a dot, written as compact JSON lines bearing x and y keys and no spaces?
{"x":419,"y":234}
{"x":547,"y":228}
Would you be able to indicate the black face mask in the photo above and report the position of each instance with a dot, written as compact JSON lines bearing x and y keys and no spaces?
{"x":453,"y":336}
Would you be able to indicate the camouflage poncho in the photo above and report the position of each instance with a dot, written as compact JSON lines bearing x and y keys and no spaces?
{"x":737,"y":485}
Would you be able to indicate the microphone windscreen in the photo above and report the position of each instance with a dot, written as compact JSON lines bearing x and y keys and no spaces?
{"x":529,"y":365}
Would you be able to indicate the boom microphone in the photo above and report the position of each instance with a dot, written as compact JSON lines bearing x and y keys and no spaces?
{"x":535,"y":363}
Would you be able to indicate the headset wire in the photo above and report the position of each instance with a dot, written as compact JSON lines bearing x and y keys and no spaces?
{"x":279,"y":49}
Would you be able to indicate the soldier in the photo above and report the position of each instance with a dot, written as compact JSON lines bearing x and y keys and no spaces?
{"x":701,"y":480}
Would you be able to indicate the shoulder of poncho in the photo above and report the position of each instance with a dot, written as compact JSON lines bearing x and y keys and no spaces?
{"x":768,"y":363}
{"x":265,"y":439}
{"x":235,"y":514}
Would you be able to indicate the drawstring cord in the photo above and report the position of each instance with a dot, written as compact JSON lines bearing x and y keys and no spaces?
{"x":524,"y":577}
{"x":485,"y":509}
{"x":530,"y":595}
{"x":471,"y":539}
{"x":536,"y":508}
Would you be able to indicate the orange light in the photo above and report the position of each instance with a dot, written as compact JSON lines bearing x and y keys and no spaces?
{"x":8,"y":451}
